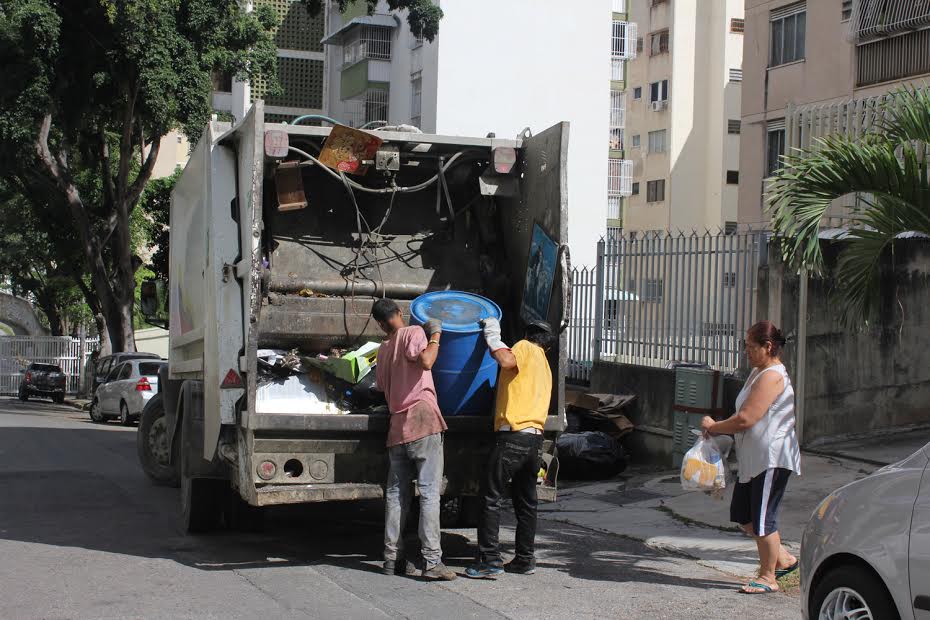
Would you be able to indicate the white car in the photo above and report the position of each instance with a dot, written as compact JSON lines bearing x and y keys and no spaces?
{"x":865,"y":554}
{"x":126,"y":390}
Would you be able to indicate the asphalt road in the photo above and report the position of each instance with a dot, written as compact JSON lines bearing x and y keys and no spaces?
{"x":83,"y":534}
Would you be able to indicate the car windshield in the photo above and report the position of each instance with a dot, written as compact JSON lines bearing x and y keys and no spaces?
{"x":150,"y":368}
{"x":46,"y":368}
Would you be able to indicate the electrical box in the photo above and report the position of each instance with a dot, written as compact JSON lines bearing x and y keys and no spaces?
{"x":698,"y":392}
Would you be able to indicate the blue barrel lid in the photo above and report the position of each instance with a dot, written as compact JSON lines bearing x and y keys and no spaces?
{"x":458,"y":311}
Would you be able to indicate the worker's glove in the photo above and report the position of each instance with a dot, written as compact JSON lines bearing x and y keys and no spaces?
{"x":432,"y":327}
{"x":491,"y":328}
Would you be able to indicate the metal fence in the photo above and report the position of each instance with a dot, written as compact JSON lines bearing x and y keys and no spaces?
{"x":17,"y":352}
{"x":657,"y":298}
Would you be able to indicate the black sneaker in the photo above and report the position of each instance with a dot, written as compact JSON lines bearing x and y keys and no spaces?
{"x":520,"y":568}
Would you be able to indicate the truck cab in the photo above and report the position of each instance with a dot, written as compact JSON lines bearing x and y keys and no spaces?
{"x":272,"y":249}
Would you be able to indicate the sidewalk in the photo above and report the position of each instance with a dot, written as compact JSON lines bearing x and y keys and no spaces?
{"x":654,"y":509}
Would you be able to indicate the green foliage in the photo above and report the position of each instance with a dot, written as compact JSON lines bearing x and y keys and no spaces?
{"x":422,"y":15}
{"x":888,"y":170}
{"x":156,"y":205}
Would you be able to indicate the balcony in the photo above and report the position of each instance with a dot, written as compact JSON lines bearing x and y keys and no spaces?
{"x":872,"y":19}
{"x":619,"y":179}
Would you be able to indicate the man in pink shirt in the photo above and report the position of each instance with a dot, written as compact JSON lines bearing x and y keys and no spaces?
{"x":414,"y":438}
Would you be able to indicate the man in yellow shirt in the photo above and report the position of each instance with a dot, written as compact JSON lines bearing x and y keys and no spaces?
{"x":524,"y":389}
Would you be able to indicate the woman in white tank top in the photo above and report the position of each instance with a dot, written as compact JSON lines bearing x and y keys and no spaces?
{"x":767,"y":450}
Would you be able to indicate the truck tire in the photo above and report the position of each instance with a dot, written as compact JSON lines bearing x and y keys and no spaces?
{"x":152,"y":444}
{"x":202,"y":499}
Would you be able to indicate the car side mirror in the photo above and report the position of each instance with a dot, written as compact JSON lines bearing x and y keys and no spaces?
{"x":153,"y":302}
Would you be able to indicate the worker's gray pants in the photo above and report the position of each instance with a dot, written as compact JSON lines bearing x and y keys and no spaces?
{"x":421,"y":460}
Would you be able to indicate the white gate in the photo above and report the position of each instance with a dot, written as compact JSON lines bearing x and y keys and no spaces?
{"x":17,"y":352}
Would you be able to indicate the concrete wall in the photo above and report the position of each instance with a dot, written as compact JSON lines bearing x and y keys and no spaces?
{"x":152,"y":340}
{"x":859,"y":381}
{"x":652,"y":413}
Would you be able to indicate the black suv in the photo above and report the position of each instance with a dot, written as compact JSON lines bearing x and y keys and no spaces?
{"x":43,"y":380}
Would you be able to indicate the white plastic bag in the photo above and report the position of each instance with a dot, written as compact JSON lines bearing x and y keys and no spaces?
{"x":704,"y":466}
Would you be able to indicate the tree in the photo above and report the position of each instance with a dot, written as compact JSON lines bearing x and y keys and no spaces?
{"x":90,"y":89}
{"x":422,"y":15}
{"x":887,"y":169}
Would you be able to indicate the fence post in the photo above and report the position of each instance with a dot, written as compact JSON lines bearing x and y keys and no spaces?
{"x":599,"y":302}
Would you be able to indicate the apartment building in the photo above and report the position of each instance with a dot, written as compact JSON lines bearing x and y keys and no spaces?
{"x":682,"y":91}
{"x":496,"y":67}
{"x":816,"y":68}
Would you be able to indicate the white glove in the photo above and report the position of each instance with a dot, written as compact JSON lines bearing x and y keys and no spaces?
{"x":491,"y":328}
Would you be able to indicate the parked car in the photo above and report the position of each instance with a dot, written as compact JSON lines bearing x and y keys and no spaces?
{"x":866,"y":550}
{"x":105,"y":365}
{"x":43,"y":380}
{"x":126,"y":390}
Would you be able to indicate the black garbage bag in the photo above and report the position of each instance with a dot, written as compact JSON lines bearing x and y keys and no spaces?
{"x":590,"y":455}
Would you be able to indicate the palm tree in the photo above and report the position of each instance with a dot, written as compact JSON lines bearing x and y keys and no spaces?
{"x":886,"y":169}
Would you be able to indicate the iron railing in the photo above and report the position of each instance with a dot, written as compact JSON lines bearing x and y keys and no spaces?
{"x":658,"y":298}
{"x":17,"y":352}
{"x":877,"y":18}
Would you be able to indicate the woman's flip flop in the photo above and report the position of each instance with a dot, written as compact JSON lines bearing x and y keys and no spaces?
{"x":781,"y":572}
{"x":763,"y":588}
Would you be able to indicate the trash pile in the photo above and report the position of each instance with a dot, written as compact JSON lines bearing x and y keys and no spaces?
{"x":340,"y":382}
{"x":590,"y":448}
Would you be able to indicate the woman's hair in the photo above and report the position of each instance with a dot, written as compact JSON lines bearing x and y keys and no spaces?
{"x":765,"y":331}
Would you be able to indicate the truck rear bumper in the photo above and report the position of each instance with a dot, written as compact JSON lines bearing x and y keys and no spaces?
{"x":310,"y":493}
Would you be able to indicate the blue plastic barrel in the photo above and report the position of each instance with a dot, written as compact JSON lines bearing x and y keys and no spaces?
{"x":465,"y":374}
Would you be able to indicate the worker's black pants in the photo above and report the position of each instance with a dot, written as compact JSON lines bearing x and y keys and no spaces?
{"x":514,"y":461}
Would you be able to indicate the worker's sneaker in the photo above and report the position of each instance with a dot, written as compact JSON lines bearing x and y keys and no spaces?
{"x":440,"y":572}
{"x":520,"y":567}
{"x":483,"y":571}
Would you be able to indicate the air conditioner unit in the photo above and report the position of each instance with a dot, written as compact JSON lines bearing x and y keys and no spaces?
{"x":658,"y":106}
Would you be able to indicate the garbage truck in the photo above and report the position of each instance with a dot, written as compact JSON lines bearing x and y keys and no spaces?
{"x":282,"y":237}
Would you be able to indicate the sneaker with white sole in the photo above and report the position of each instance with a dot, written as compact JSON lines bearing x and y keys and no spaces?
{"x":483,"y":571}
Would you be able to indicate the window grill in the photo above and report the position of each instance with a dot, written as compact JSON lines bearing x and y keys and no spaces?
{"x":296,"y":29}
{"x":371,"y":106}
{"x":301,"y":81}
{"x":738,"y":25}
{"x":893,"y":58}
{"x":733,"y":126}
{"x":870,"y":19}
{"x":623,"y":40}
{"x":366,"y":42}
{"x":617,"y":109}
{"x":619,"y":178}
{"x":616,"y":69}
{"x":736,"y":75}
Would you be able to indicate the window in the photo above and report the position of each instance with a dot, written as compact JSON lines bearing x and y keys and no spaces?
{"x":417,"y":41}
{"x":893,"y":58}
{"x":617,"y":109}
{"x":729,"y":228}
{"x":416,"y":100}
{"x":653,"y":289}
{"x":635,"y":140}
{"x":222,"y":81}
{"x":658,"y":43}
{"x":639,"y":44}
{"x":617,"y":67}
{"x":658,"y":2}
{"x":736,"y":75}
{"x":729,"y":279}
{"x":789,"y":25}
{"x":638,"y":92}
{"x":732,"y":177}
{"x":635,"y":189}
{"x":616,"y":139}
{"x":150,"y":368}
{"x":658,"y":91}
{"x":774,"y":147}
{"x":738,"y":25}
{"x":847,"y":10}
{"x":733,"y":126}
{"x":613,"y":207}
{"x":655,"y":191}
{"x":657,"y":141}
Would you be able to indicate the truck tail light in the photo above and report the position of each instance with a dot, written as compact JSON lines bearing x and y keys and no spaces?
{"x":266,"y":470}
{"x":503,"y":158}
{"x":143,"y":385}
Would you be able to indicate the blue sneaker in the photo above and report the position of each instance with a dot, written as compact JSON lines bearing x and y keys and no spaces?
{"x":483,"y":571}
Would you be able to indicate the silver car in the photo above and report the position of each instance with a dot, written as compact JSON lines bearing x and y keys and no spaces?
{"x":866,"y":550}
{"x":125,"y":391}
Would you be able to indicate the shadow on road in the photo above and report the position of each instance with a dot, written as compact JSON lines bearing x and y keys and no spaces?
{"x":83,"y":488}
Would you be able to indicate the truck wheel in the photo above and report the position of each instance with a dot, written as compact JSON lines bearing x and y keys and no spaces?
{"x":201,"y":498}
{"x":152,"y":444}
{"x":95,"y":414}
